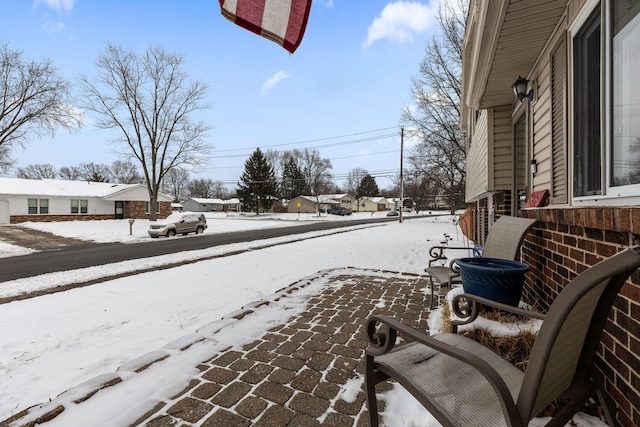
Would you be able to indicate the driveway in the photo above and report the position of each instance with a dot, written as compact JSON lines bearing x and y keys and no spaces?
{"x":35,"y":239}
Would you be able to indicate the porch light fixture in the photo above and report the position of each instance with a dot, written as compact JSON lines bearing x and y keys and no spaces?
{"x":534,"y":166}
{"x":520,"y":89}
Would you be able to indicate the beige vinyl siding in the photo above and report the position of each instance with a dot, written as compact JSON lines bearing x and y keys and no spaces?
{"x":542,"y":129}
{"x":477,"y":171}
{"x":502,"y":152}
{"x":559,"y":185}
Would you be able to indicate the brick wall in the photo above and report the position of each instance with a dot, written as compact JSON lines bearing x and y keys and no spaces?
{"x":16,"y":219}
{"x":132,"y":210}
{"x":566,"y":242}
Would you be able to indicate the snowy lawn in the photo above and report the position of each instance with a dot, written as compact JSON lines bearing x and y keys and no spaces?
{"x":55,"y":342}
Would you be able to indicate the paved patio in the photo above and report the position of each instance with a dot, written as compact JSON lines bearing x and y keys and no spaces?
{"x":296,"y":373}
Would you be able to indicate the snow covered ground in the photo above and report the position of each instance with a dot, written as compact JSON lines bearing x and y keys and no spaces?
{"x":54,"y":342}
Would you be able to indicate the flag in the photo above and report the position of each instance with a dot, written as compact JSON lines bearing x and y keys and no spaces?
{"x":281,"y":21}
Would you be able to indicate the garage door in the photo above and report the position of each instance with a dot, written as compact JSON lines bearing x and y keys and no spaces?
{"x":4,"y":212}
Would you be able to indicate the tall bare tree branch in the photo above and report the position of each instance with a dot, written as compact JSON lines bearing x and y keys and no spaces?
{"x":149,"y":101}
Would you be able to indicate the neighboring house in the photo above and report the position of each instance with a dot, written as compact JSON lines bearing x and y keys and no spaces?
{"x":231,"y":205}
{"x":24,"y":200}
{"x":342,"y":200}
{"x":202,"y":205}
{"x":307,"y":205}
{"x":310,"y":204}
{"x":577,"y":140}
{"x":372,"y":204}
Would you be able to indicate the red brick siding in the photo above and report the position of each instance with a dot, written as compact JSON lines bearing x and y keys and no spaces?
{"x":131,"y":210}
{"x":566,"y":242}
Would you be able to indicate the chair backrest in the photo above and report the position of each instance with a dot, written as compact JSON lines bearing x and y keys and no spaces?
{"x":565,"y":348}
{"x":506,"y":236}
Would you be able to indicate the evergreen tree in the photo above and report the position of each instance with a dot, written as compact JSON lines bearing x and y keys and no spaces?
{"x":257,"y":187}
{"x":293,"y":180}
{"x":367,"y":188}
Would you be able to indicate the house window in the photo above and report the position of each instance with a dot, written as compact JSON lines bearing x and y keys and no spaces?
{"x":36,"y":206}
{"x":79,"y":206}
{"x":606,"y":139}
{"x":33,"y":206}
{"x":625,"y":121}
{"x":146,"y":207}
{"x":587,"y":103}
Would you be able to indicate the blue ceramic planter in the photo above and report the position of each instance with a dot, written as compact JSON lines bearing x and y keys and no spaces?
{"x":496,"y":279}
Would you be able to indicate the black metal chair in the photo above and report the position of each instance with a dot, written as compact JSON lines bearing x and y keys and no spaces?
{"x":462,"y":383}
{"x":503,"y":241}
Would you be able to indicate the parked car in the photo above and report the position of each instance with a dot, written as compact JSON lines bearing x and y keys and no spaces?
{"x":183,"y":223}
{"x":392,"y":213}
{"x":339,"y":210}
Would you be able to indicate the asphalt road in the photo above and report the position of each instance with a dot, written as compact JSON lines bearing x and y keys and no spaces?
{"x":74,"y":257}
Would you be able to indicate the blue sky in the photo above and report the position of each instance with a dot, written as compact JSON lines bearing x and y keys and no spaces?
{"x":345,"y":86}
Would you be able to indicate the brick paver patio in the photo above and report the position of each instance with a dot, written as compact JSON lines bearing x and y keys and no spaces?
{"x":294,"y":375}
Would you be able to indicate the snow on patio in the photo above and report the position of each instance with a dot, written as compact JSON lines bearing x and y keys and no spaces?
{"x":55,"y":342}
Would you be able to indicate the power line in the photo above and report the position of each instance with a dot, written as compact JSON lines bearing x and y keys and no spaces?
{"x":335,"y":144}
{"x":308,"y":141}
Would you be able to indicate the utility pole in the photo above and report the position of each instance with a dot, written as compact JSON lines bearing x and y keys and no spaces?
{"x":401,"y":173}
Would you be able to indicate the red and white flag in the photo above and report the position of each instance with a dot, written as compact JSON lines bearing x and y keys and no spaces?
{"x":281,"y":21}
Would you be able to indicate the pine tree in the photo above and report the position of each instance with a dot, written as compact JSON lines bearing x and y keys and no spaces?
{"x":257,"y":187}
{"x":367,"y":187}
{"x":293,"y":182}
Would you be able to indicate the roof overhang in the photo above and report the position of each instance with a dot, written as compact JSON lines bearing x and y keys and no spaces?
{"x":504,"y":39}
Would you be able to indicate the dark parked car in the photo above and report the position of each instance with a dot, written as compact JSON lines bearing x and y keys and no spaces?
{"x":392,"y":213}
{"x":339,"y":210}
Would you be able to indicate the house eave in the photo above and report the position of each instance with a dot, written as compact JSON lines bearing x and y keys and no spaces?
{"x":494,"y":56}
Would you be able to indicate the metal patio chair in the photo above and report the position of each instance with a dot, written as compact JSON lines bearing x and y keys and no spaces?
{"x":462,"y":383}
{"x":503,"y":241}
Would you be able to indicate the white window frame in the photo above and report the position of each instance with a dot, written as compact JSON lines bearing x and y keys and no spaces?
{"x":147,"y":210}
{"x":39,"y":206}
{"x":611,"y":196}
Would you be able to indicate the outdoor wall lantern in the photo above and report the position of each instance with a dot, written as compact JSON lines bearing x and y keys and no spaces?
{"x":520,"y":89}
{"x":534,"y":166}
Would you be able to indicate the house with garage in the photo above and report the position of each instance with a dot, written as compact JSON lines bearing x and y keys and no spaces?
{"x":24,"y":200}
{"x":311,"y":204}
{"x":202,"y":205}
{"x":372,"y":204}
{"x":551,"y":113}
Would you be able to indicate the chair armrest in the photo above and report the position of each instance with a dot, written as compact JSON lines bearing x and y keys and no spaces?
{"x":392,"y":326}
{"x":437,"y":252}
{"x":469,"y":309}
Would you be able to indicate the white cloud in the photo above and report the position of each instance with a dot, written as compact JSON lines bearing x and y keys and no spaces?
{"x":54,"y":27}
{"x":273,"y":80}
{"x":65,"y":6}
{"x":400,"y":21}
{"x":364,"y":153}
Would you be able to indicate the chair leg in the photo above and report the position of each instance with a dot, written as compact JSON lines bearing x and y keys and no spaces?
{"x":370,"y":391}
{"x":431,"y":284}
{"x":606,"y":406}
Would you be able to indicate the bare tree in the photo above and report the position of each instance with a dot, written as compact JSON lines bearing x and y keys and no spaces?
{"x":125,"y":172}
{"x":34,"y":101}
{"x":441,"y":154}
{"x":175,"y":183}
{"x":200,"y":188}
{"x":148,"y":99}
{"x":316,"y":171}
{"x":421,"y":191}
{"x":70,"y":173}
{"x":95,"y":172}
{"x":353,"y":180}
{"x":37,"y":171}
{"x":220,"y":191}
